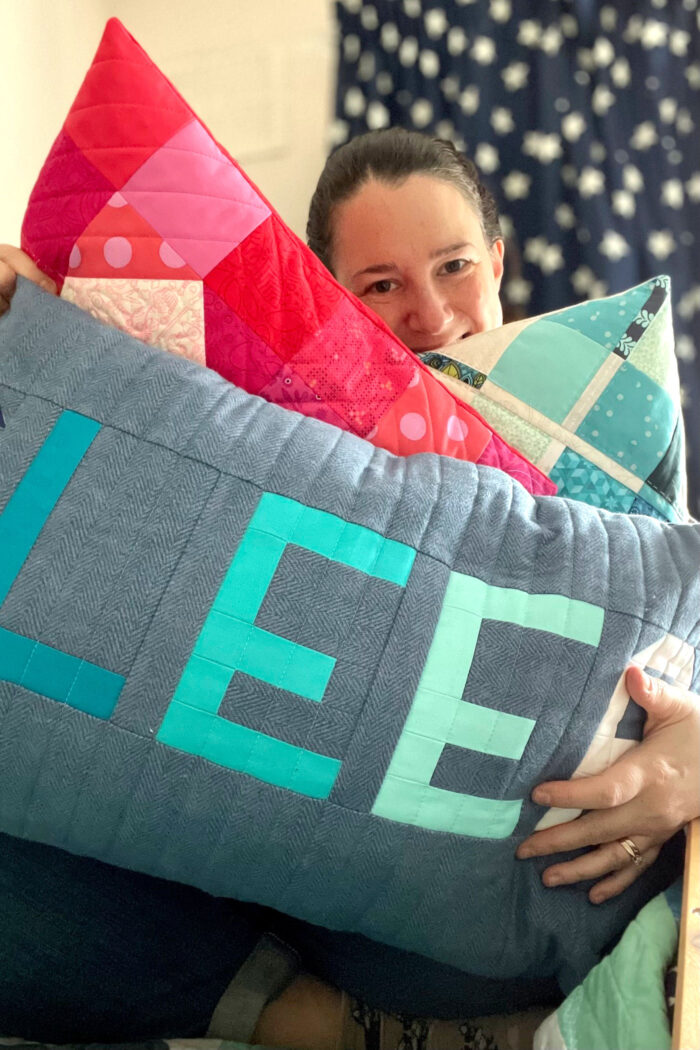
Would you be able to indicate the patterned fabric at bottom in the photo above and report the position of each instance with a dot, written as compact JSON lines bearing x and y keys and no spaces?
{"x":367,"y":1029}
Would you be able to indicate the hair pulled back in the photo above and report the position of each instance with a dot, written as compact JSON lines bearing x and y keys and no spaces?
{"x":391,"y":155}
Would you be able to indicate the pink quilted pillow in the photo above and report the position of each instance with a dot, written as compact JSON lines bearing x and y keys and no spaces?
{"x":143,"y":219}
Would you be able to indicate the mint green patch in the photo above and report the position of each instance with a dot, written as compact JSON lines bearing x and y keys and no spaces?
{"x":434,"y":808}
{"x":526,"y":437}
{"x":446,"y":719}
{"x":654,"y":353}
{"x":632,"y":421}
{"x":578,"y":478}
{"x":605,"y":320}
{"x":416,"y":757}
{"x":452,"y":651}
{"x":540,"y":350}
{"x":491,"y":732}
{"x":30,"y":505}
{"x":621,"y":1003}
{"x":229,"y":641}
{"x":440,"y":716}
{"x":555,"y":613}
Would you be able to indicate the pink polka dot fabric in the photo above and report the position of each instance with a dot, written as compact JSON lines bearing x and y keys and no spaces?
{"x":137,"y":198}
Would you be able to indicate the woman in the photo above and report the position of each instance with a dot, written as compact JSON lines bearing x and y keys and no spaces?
{"x":403,"y":222}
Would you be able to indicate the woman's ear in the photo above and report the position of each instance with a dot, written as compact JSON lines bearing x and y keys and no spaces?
{"x":498,"y":249}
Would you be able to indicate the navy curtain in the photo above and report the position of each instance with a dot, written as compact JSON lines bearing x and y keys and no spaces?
{"x":584,"y":117}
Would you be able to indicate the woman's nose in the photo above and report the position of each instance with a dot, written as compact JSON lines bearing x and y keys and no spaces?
{"x":430,"y":311}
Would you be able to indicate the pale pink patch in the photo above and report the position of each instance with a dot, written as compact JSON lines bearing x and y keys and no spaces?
{"x":413,"y":426}
{"x":117,"y":201}
{"x":75,"y":258}
{"x":415,"y":379}
{"x":118,"y":252}
{"x":457,"y":429}
{"x":170,"y":257}
{"x":209,"y":207}
{"x":372,"y":434}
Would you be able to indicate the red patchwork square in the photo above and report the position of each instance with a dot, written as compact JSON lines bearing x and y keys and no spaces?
{"x":273,"y":283}
{"x":125,"y":109}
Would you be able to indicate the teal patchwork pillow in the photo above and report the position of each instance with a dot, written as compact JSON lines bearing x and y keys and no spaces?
{"x":590,"y":394}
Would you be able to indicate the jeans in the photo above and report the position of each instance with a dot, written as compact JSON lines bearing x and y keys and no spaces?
{"x":93,"y":953}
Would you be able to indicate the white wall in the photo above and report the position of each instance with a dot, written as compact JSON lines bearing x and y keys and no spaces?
{"x":258,"y":72}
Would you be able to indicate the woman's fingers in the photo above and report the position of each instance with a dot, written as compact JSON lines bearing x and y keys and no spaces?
{"x":623,"y":878}
{"x":618,"y":784}
{"x":610,"y":857}
{"x":588,"y":830}
{"x":14,"y":261}
{"x":664,"y":704}
{"x":650,"y":790}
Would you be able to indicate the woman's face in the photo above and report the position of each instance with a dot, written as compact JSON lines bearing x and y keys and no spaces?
{"x":415,"y":253}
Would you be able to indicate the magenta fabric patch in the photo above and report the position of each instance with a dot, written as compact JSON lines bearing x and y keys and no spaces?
{"x":188,"y":185}
{"x":347,"y":381}
{"x":500,"y":455}
{"x":69,"y":194}
{"x":233,"y":349}
{"x":289,"y":389}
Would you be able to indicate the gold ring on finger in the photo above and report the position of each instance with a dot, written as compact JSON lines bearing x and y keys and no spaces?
{"x":633,"y":850}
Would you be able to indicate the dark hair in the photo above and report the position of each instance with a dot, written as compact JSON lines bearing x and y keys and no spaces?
{"x":391,"y":155}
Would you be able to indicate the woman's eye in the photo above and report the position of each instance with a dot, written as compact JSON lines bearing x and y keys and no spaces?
{"x":455,"y":265}
{"x":382,"y":287}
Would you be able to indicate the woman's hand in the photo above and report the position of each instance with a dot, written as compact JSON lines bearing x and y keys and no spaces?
{"x":646,"y":796}
{"x":13,"y":261}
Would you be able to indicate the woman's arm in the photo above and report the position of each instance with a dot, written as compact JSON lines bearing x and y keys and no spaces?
{"x":646,"y":796}
{"x":13,"y":261}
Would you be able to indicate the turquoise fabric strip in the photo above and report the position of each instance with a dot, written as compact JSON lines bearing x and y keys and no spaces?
{"x":23,"y":661}
{"x":38,"y":492}
{"x":58,"y":675}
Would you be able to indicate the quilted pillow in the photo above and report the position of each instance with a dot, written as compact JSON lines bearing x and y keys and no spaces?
{"x":246,"y":650}
{"x":590,"y":394}
{"x":143,"y":219}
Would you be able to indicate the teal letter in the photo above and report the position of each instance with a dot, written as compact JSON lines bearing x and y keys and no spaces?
{"x":229,"y":641}
{"x":439,"y":716}
{"x":25,"y":662}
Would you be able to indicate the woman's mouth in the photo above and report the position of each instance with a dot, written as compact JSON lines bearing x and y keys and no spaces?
{"x":439,"y":346}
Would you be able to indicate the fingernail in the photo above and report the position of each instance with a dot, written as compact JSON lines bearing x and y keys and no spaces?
{"x":524,"y":852}
{"x":552,"y":880}
{"x":542,"y":798}
{"x":597,"y":898}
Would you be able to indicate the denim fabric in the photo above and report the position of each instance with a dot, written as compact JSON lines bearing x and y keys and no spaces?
{"x":93,"y":953}
{"x":89,"y":952}
{"x":123,"y":577}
